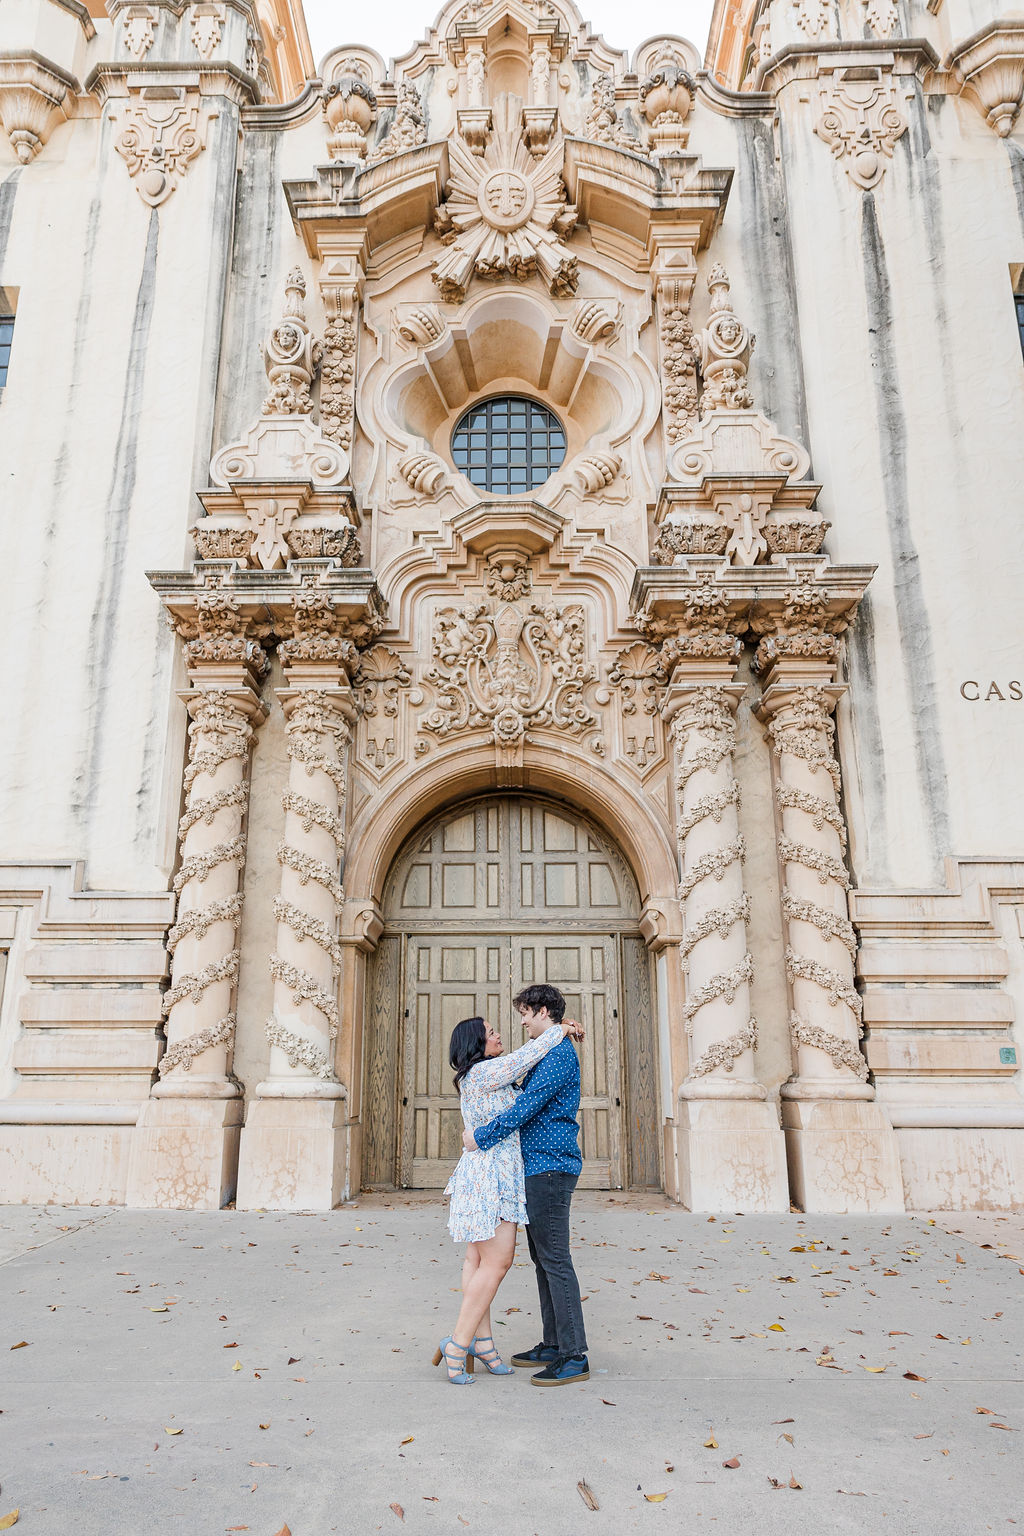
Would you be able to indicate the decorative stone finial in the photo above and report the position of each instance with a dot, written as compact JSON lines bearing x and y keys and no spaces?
{"x":291,"y":356}
{"x":350,"y":108}
{"x":724,"y":347}
{"x":666,"y":100}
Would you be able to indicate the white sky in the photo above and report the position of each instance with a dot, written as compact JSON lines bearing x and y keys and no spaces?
{"x":392,"y":26}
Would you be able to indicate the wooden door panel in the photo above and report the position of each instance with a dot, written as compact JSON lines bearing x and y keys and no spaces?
{"x":451,"y":978}
{"x":583,"y":970}
{"x":507,"y":892}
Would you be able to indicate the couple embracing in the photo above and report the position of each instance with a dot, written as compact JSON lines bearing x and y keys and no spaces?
{"x":521,"y":1164}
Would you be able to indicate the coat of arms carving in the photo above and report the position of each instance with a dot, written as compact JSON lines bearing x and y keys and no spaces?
{"x":509,"y":669}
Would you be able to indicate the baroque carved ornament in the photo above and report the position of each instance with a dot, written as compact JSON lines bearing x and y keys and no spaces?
{"x":860,"y":120}
{"x":509,"y":668}
{"x":158,"y":140}
{"x":505,"y":216}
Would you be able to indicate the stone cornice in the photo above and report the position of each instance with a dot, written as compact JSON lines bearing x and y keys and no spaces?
{"x":757,"y":593}
{"x":76,"y":9}
{"x":268,"y":596}
{"x":388,"y":198}
{"x":114,"y":81}
{"x":279,"y":116}
{"x":727,"y":103}
{"x":805,"y":61}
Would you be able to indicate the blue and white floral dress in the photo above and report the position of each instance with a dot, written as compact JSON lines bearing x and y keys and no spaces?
{"x":487,"y":1187}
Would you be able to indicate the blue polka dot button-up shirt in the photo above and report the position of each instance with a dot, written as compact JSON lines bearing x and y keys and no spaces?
{"x":544,"y":1114}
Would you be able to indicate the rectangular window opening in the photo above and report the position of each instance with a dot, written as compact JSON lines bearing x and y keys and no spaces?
{"x":1017,"y":279}
{"x":8,"y":306}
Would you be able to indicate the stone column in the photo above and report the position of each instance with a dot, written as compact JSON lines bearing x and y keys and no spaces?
{"x":295,"y":1143}
{"x":843,"y":1154}
{"x":184,"y":1151}
{"x":732,"y":1156}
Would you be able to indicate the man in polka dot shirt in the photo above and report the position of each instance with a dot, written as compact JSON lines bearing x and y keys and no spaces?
{"x":545,"y":1114}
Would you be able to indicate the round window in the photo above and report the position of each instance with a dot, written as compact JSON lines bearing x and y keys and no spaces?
{"x":508,"y":445}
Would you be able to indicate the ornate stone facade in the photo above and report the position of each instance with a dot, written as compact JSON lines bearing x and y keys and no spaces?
{"x":693,"y":692}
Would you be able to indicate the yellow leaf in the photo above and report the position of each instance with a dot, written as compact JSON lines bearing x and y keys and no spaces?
{"x":9,"y":1520}
{"x":776,"y":1328}
{"x":711,"y":1444}
{"x":237,"y":1365}
{"x":655,"y":1498}
{"x":744,"y":1288}
{"x":158,"y":1309}
{"x":264,"y":1426}
{"x":169,"y":1431}
{"x":877,"y":1369}
{"x":22,"y":1345}
{"x":408,"y":1440}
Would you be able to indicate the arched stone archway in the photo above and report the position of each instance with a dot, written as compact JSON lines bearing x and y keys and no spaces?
{"x":489,"y":895}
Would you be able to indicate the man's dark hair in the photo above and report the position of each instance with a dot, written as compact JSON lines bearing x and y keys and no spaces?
{"x":542,"y":996}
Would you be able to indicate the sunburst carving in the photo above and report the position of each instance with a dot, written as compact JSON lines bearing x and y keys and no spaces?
{"x":506,"y":216}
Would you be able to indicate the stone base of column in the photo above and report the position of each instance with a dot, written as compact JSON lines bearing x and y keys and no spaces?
{"x":184,"y":1154}
{"x":294,"y":1155}
{"x":731,"y":1156}
{"x":843,"y":1156}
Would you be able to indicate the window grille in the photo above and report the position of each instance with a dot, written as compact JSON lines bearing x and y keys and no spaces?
{"x":6,"y":335}
{"x":508,"y":445}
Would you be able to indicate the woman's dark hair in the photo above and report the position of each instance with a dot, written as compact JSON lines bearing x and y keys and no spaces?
{"x":468,"y":1046}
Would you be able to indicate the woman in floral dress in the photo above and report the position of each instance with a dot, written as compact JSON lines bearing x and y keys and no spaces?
{"x":488,"y":1196}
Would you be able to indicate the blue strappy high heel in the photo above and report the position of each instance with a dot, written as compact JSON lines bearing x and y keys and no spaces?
{"x":490,"y":1357}
{"x":461,"y":1378}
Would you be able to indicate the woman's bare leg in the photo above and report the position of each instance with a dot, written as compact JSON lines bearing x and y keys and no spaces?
{"x":495,"y":1261}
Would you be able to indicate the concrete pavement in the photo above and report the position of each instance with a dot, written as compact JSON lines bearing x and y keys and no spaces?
{"x":870,"y":1360}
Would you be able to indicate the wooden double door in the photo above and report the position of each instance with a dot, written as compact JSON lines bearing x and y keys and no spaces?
{"x":499,"y":894}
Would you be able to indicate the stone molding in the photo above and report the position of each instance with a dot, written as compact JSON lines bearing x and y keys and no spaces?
{"x":988,"y":69}
{"x":36,"y":96}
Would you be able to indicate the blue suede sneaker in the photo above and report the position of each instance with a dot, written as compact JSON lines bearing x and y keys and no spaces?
{"x":540,"y":1354}
{"x":562,"y":1371}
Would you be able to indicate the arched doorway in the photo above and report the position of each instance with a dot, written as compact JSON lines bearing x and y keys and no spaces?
{"x":490,"y":896}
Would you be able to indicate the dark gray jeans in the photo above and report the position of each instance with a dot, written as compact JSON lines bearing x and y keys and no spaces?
{"x":548,"y":1201}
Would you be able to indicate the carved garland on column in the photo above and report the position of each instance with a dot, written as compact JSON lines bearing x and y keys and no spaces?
{"x":217,"y":633}
{"x":317,"y":738}
{"x":810,"y":737}
{"x":710,"y":713}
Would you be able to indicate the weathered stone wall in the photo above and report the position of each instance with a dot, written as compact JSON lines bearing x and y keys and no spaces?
{"x":865,"y":195}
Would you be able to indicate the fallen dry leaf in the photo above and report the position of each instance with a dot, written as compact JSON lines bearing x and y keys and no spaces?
{"x":984,"y":1410}
{"x":995,"y":1425}
{"x":237,"y":1365}
{"x":732,"y":1463}
{"x":607,"y":1402}
{"x":399,"y":1511}
{"x":408,"y":1440}
{"x":655,"y":1498}
{"x":711,"y":1444}
{"x":169,"y":1431}
{"x":264,"y":1426}
{"x":793,"y":1482}
{"x":784,"y":1436}
{"x":928,"y":1436}
{"x":588,"y":1495}
{"x":9,"y":1520}
{"x":910,"y":1376}
{"x":22,"y":1345}
{"x":877,"y":1369}
{"x":776,"y":1328}
{"x":284,"y":1531}
{"x":783,"y":1421}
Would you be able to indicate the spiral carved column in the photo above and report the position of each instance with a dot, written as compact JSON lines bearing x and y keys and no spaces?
{"x":729,"y":1149}
{"x":843,"y":1153}
{"x":721,"y":1029}
{"x":185,"y":1144}
{"x":307,"y":961}
{"x":295,"y":1145}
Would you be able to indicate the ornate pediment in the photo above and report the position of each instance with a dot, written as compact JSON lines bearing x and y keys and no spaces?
{"x":505,"y":213}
